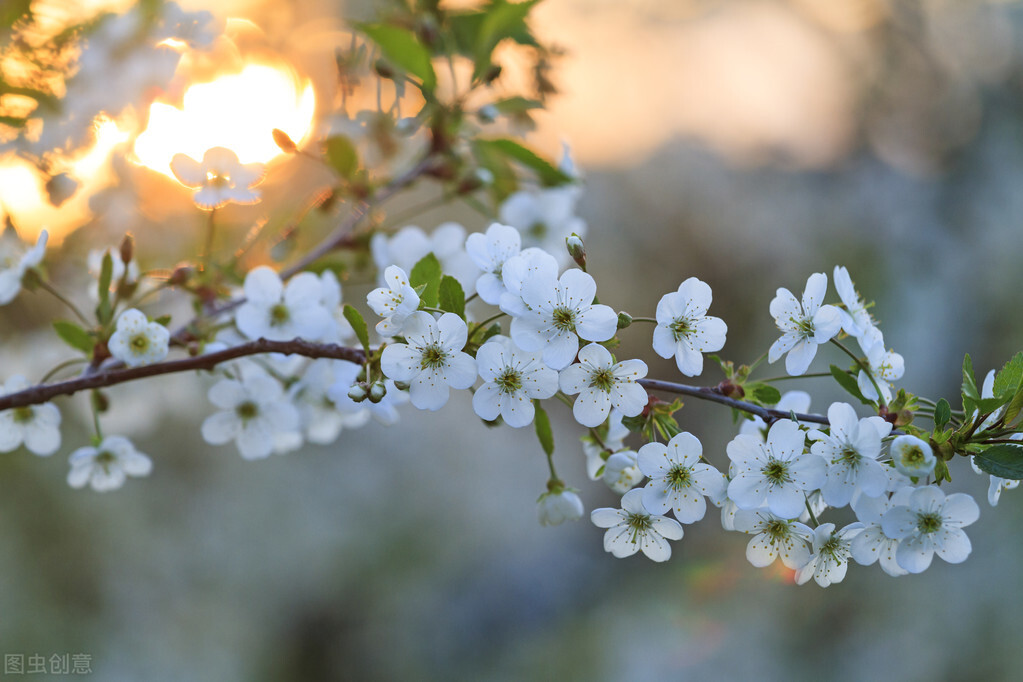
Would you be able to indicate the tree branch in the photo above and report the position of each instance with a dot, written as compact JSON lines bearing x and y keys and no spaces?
{"x":709,"y":393}
{"x":119,"y":375}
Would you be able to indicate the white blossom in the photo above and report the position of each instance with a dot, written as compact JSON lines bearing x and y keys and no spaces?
{"x":851,"y":449}
{"x":622,"y":472}
{"x":684,"y":330}
{"x":279,"y":312}
{"x":410,"y":244}
{"x":602,"y":384}
{"x":219,"y":179}
{"x":137,"y":341}
{"x":432,"y":361}
{"x":528,"y":265}
{"x":632,"y":528}
{"x":254,"y":410}
{"x":512,"y":379}
{"x":855,"y":317}
{"x":885,"y":366}
{"x":678,"y":480}
{"x":394,"y":303}
{"x":777,"y":471}
{"x":16,"y":257}
{"x":930,"y":523}
{"x":613,"y":441}
{"x":560,"y":312}
{"x":803,"y":327}
{"x":545,"y":217}
{"x":829,"y":559}
{"x":107,"y":466}
{"x":35,"y":426}
{"x":774,"y":537}
{"x":322,"y":418}
{"x":489,"y":252}
{"x":872,"y":544}
{"x":556,"y":507}
{"x":912,"y":456}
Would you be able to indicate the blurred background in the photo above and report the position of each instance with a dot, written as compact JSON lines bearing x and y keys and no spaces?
{"x":748,"y":143}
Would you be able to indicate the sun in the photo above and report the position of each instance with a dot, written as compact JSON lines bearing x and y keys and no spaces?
{"x":238,"y":111}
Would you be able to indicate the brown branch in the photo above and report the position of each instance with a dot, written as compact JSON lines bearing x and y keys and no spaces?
{"x":113,"y":376}
{"x":709,"y":393}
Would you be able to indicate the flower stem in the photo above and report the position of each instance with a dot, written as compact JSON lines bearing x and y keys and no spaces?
{"x":45,"y":286}
{"x":862,"y":365}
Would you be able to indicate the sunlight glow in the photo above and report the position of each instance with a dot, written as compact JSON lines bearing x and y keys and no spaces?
{"x":237,"y":111}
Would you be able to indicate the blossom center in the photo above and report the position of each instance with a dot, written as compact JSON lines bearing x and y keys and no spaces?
{"x":639,"y":523}
{"x":23,"y":415}
{"x":777,"y":529}
{"x":681,"y":328}
{"x":279,"y":315}
{"x":602,"y":378}
{"x":139,"y":343}
{"x":509,"y":381}
{"x":564,"y":319}
{"x":776,"y":472}
{"x":848,"y":456}
{"x":833,"y":548}
{"x":433,"y":357}
{"x":104,"y":459}
{"x":247,"y":410}
{"x":928,"y":523}
{"x":913,"y":456}
{"x":217,"y":179}
{"x":805,"y":327}
{"x":538,"y":230}
{"x":680,"y":477}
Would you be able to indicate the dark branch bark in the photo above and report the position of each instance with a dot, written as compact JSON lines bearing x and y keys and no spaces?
{"x":708,"y":393}
{"x":119,"y":375}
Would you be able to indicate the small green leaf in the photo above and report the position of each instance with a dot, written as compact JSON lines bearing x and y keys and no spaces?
{"x":106,"y":274}
{"x":341,"y":156}
{"x":846,"y":381}
{"x":1015,"y":406}
{"x":74,"y":336}
{"x":403,"y":49}
{"x":492,"y":330}
{"x":942,"y":414}
{"x":765,"y":394}
{"x":451,"y":296}
{"x":502,"y":20}
{"x":355,"y":319}
{"x":517,"y":105}
{"x":427,"y":272}
{"x":989,"y":405}
{"x":969,"y":380}
{"x":543,"y":429}
{"x":1008,"y":378}
{"x":545,"y":171}
{"x":163,"y":320}
{"x":504,"y":182}
{"x":1004,"y":461}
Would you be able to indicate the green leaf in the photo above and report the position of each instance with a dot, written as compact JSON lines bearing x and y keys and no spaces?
{"x":427,"y":272}
{"x":451,"y":296}
{"x":402,"y":48}
{"x":355,"y":319}
{"x":516,"y":105}
{"x":74,"y":336}
{"x":543,"y":429}
{"x":163,"y":320}
{"x":1008,"y":378}
{"x":492,"y":330}
{"x":502,"y":20}
{"x":989,"y":405}
{"x":942,"y":414}
{"x":765,"y":394}
{"x":545,"y":171}
{"x":504,"y":182}
{"x":106,"y":274}
{"x":341,"y":156}
{"x":1004,"y":461}
{"x":846,"y":381}
{"x":13,"y":10}
{"x":1015,"y":406}
{"x":969,"y":380}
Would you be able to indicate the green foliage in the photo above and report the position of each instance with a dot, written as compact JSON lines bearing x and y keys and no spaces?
{"x":451,"y":297}
{"x":104,"y":310}
{"x":1007,"y":381}
{"x":764,"y":394}
{"x":341,"y":156}
{"x":501,"y":20}
{"x":1004,"y":461}
{"x":13,"y":10}
{"x":846,"y":381}
{"x":942,"y":414}
{"x":355,"y":319}
{"x":402,"y":48}
{"x":74,"y":336}
{"x":427,"y":274}
{"x":504,"y":181}
{"x":543,"y":429}
{"x":545,"y":172}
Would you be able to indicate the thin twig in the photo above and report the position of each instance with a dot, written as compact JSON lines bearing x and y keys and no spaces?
{"x":710,"y":394}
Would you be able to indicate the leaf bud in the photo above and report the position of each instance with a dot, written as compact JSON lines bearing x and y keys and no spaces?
{"x":127,"y":249}
{"x":731,"y":389}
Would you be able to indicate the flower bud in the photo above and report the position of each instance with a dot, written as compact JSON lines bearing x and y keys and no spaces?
{"x":357,"y":393}
{"x":127,"y":249}
{"x":731,"y":390}
{"x":377,"y":392}
{"x":60,"y":188}
{"x":576,"y":250}
{"x":383,"y":69}
{"x":401,"y":385}
{"x":487,"y":113}
{"x":912,"y":456}
{"x":492,"y":74}
{"x":284,"y":141}
{"x":624,"y":320}
{"x":554,"y":508}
